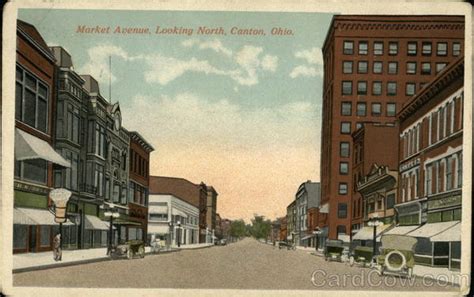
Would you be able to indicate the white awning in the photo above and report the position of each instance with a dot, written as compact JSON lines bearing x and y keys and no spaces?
{"x":402,"y":230}
{"x":29,"y":147}
{"x":308,"y":236}
{"x":40,"y":216}
{"x":158,"y":229}
{"x":344,"y":238}
{"x":158,"y":209}
{"x":367,"y":233}
{"x":95,"y":223}
{"x":19,"y":218}
{"x":177,"y":212}
{"x":431,"y":229}
{"x":324,"y":208}
{"x":450,"y":234}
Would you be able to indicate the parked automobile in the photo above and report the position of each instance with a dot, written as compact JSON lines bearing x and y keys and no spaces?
{"x":333,"y":250}
{"x":221,"y":242}
{"x":361,"y":256}
{"x":397,"y":255}
{"x":287,"y":245}
{"x":130,"y":249}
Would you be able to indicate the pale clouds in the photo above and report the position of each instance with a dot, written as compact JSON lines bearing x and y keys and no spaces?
{"x":215,"y":45}
{"x":314,"y":63}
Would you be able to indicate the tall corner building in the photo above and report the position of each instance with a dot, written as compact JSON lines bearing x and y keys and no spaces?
{"x":372,"y":65}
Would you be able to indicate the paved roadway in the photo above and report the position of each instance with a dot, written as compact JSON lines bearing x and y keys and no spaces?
{"x":247,"y":264}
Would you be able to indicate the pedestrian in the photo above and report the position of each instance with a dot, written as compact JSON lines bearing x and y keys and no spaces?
{"x":57,"y":253}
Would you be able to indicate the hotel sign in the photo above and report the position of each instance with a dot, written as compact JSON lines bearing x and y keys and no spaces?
{"x":445,"y":202}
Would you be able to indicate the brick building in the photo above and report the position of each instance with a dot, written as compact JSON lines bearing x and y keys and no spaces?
{"x":211,"y":214}
{"x":139,"y":173}
{"x":372,"y":65}
{"x":283,"y":230}
{"x":430,"y":188}
{"x":35,"y":157}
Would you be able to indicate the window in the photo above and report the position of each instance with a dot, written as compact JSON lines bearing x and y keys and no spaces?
{"x":342,"y":188}
{"x":426,"y":49}
{"x":347,"y":88}
{"x":346,"y":108}
{"x":99,"y":179}
{"x":392,"y":67}
{"x":358,"y":125}
{"x":123,"y":195}
{"x":362,"y":67}
{"x":426,"y":68}
{"x":377,"y":67}
{"x":378,"y":48}
{"x":442,"y":49}
{"x":410,"y":89}
{"x":391,"y":109}
{"x":116,"y":193}
{"x":377,"y":88}
{"x":345,"y":127}
{"x":45,"y":235}
{"x":343,"y":168}
{"x":390,"y":201}
{"x":456,"y":49}
{"x":376,"y":109}
{"x":342,"y":210}
{"x":440,"y":66}
{"x":31,"y":100}
{"x":20,"y":235}
{"x":34,"y":170}
{"x":449,"y":173}
{"x":393,"y":48}
{"x":459,"y":169}
{"x":347,"y":67}
{"x":411,"y":48}
{"x":411,"y":67}
{"x":361,"y":109}
{"x":439,"y":176}
{"x":363,"y":48}
{"x":71,"y":173}
{"x":348,"y":47}
{"x":361,"y":88}
{"x":392,"y":88}
{"x":344,"y":149}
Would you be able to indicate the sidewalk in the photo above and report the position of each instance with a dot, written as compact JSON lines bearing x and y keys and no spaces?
{"x":195,"y":246}
{"x":439,"y":274}
{"x":44,"y":260}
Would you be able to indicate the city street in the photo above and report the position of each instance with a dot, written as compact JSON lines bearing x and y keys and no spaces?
{"x":247,"y":264}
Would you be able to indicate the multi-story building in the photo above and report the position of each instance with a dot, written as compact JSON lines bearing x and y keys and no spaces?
{"x":139,"y":175}
{"x":275,"y":231}
{"x":307,"y":197}
{"x":211,"y":212}
{"x":291,"y":221}
{"x":283,"y":229}
{"x":173,"y":219}
{"x":225,"y":226}
{"x":34,"y":225}
{"x":431,"y":177}
{"x":194,"y":194}
{"x":375,"y":175}
{"x":372,"y":65}
{"x":218,"y":232}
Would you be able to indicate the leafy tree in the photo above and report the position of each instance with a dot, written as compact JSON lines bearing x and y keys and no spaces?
{"x":238,"y":229}
{"x":261,"y":228}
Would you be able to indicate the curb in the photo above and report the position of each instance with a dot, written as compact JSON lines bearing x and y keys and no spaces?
{"x":198,"y":248}
{"x":80,"y":262}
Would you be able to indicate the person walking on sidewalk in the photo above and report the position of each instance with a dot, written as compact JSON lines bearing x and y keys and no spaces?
{"x":57,"y":253}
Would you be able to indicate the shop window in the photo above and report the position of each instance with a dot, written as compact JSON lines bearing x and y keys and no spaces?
{"x":457,"y":214}
{"x":45,"y":236}
{"x":20,"y":235}
{"x":447,"y":215}
{"x":423,"y":246}
{"x":390,"y":201}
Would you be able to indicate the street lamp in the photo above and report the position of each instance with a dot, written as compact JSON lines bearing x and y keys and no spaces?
{"x":179,"y":233}
{"x":110,"y":213}
{"x":170,"y":237}
{"x":374,"y":222}
{"x":60,"y":197}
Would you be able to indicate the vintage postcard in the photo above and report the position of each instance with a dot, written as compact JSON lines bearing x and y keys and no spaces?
{"x":253,"y":148}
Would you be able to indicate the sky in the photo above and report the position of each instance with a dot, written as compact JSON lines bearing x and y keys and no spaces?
{"x":241,"y":113}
